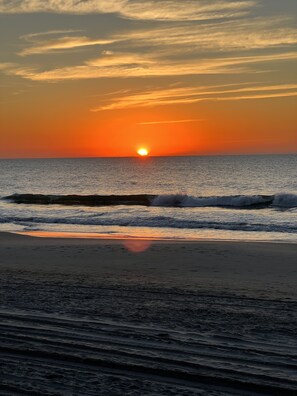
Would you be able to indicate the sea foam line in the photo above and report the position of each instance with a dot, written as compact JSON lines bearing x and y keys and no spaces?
{"x":150,"y":221}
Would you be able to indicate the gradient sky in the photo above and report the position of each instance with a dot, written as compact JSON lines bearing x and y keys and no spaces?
{"x":104,"y":77}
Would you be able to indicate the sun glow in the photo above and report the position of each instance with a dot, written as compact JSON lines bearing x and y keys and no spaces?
{"x":143,"y":152}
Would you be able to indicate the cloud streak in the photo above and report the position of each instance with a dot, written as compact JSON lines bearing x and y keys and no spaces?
{"x":186,"y":10}
{"x":171,"y":121}
{"x":136,"y":9}
{"x":251,"y":33}
{"x":62,"y":44}
{"x":177,"y":41}
{"x":33,"y":36}
{"x":188,"y":95}
{"x":133,"y":65}
{"x":7,"y":66}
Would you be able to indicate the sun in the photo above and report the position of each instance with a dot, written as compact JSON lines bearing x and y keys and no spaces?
{"x":143,"y":152}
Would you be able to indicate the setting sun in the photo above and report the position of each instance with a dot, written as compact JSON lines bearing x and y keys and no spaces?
{"x":143,"y":152}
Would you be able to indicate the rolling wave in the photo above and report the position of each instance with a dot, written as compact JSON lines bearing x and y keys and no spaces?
{"x":281,"y":200}
{"x":84,"y":200}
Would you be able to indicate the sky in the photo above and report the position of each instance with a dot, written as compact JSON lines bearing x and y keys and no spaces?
{"x":94,"y":78}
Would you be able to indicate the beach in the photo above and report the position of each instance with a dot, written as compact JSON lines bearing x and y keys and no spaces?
{"x":147,"y":317}
{"x":148,"y":198}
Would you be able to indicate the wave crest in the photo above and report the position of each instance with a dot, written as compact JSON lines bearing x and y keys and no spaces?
{"x":236,"y":201}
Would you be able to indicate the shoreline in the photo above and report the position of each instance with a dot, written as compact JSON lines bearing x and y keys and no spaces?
{"x":101,"y":236}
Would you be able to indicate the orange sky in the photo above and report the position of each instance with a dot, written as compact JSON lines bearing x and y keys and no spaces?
{"x":178,"y":79}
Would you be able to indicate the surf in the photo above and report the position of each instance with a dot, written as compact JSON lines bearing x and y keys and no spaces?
{"x":279,"y":200}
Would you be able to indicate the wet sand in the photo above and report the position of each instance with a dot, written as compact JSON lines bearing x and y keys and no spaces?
{"x":95,"y":317}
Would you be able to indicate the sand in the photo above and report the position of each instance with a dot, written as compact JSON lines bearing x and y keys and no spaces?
{"x":94,"y":317}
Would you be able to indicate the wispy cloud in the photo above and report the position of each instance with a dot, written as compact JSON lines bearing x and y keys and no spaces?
{"x":176,"y":41}
{"x":136,"y":9}
{"x":171,"y":121}
{"x":185,"y":10}
{"x":63,"y":43}
{"x":36,"y":35}
{"x":61,"y":6}
{"x":133,"y":65}
{"x":187,"y":95}
{"x":111,"y":59}
{"x":262,"y":96}
{"x":7,"y":66}
{"x":245,"y":34}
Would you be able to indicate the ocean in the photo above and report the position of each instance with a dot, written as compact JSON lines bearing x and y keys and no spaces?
{"x":209,"y":197}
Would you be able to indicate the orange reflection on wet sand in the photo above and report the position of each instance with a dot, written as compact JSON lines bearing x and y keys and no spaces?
{"x":137,"y":245}
{"x":134,"y":245}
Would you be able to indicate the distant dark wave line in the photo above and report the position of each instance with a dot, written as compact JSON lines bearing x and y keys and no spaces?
{"x":282,"y":200}
{"x":83,"y":200}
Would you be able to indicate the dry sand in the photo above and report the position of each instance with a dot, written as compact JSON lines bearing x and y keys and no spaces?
{"x":92,"y":317}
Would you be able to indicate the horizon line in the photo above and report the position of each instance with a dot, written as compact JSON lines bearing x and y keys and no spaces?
{"x":151,"y":156}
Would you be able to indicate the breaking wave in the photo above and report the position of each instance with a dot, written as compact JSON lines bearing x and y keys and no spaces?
{"x":281,"y":200}
{"x":235,"y":201}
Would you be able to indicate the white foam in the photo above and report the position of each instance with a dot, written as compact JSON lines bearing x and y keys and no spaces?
{"x":237,"y":201}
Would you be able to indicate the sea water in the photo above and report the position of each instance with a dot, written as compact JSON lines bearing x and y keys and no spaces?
{"x":213,"y":197}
